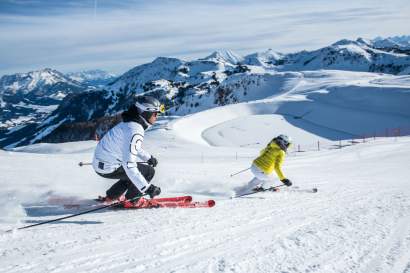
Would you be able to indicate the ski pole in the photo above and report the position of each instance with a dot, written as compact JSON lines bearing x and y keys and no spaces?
{"x":248,"y":144}
{"x":76,"y":214}
{"x":89,"y":163}
{"x":273,"y":188}
{"x":240,"y":172}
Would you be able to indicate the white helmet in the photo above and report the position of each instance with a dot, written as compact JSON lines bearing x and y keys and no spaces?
{"x":149,"y":104}
{"x":284,"y":140}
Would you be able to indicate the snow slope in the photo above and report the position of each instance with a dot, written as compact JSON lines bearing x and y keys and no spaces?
{"x":330,"y":105}
{"x":359,"y":221}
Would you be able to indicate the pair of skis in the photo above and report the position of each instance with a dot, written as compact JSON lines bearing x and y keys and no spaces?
{"x":276,"y":189}
{"x":168,"y":202}
{"x":141,"y":203}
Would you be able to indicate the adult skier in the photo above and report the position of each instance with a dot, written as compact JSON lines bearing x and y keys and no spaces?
{"x":271,"y":158}
{"x":118,"y":152}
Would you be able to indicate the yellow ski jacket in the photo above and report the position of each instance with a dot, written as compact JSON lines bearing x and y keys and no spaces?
{"x":271,"y":158}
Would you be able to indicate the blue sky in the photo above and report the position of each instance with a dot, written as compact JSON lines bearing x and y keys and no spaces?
{"x":116,"y":35}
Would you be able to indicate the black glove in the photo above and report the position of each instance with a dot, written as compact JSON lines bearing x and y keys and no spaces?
{"x":153,"y":191}
{"x":287,"y":182}
{"x":152,"y":161}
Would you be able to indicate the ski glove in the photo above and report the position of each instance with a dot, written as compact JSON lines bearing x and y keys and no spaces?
{"x":287,"y":182}
{"x":153,"y":191}
{"x":152,"y":161}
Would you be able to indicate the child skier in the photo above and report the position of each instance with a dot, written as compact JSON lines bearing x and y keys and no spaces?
{"x":116,"y":155}
{"x":270,"y":158}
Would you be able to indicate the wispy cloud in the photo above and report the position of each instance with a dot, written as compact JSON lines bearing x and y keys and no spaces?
{"x":117,"y":35}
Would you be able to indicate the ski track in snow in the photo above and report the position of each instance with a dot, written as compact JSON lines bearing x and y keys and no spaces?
{"x":300,"y":236}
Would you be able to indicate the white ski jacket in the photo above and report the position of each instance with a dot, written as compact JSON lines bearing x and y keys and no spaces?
{"x":122,"y":146}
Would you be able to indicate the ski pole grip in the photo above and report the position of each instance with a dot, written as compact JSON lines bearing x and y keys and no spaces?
{"x":84,"y":163}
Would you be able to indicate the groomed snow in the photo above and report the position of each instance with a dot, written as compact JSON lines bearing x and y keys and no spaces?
{"x":359,"y":221}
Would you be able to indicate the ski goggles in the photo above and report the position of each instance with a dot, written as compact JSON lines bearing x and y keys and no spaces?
{"x":159,"y":109}
{"x":155,"y":109}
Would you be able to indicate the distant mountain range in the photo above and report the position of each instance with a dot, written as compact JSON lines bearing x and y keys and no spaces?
{"x":95,"y":78}
{"x":186,"y":87}
{"x":30,"y":97}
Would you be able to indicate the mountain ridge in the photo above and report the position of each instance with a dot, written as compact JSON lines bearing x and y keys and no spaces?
{"x":221,"y":78}
{"x":31,"y":96}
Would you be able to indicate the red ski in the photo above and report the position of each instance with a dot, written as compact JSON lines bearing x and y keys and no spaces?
{"x":197,"y":204}
{"x":143,"y":203}
{"x":174,"y":199}
{"x":164,"y":202}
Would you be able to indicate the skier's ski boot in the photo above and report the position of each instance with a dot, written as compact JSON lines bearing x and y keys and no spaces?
{"x":140,"y":203}
{"x":258,"y":189}
{"x":107,"y":200}
{"x":104,"y":199}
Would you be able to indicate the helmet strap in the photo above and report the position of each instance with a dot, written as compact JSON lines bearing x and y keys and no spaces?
{"x":145,"y":120}
{"x":146,"y":116}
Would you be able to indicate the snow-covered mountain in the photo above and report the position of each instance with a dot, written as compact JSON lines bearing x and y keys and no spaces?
{"x":222,"y":78}
{"x":226,"y":56}
{"x":268,"y":59}
{"x":94,"y":78}
{"x":33,"y":95}
{"x":397,"y":42}
{"x":38,"y":86}
{"x":360,"y":55}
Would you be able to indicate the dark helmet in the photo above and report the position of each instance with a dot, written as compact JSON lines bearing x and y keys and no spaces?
{"x":283,"y":141}
{"x":147,"y":106}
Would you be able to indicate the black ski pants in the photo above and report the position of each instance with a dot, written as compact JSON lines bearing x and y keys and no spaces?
{"x":125,"y":184}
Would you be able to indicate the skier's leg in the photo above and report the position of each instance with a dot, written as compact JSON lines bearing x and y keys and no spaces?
{"x":257,"y":181}
{"x":254,"y":183}
{"x":125,"y":184}
{"x":260,"y":175}
{"x":132,"y":191}
{"x":148,"y":173}
{"x":116,"y":190}
{"x":248,"y":187}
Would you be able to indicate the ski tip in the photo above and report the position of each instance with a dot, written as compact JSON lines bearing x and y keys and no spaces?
{"x":211,"y":203}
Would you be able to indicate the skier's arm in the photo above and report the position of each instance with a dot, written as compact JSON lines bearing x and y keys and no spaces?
{"x":278,"y":165}
{"x":130,"y":152}
{"x":144,"y":155}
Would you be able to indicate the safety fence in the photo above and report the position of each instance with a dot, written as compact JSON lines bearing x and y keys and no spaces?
{"x":338,"y":144}
{"x":296,"y":148}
